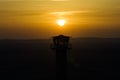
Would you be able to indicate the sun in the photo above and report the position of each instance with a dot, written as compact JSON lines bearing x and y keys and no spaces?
{"x":61,"y":22}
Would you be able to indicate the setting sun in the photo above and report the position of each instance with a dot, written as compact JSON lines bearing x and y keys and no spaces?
{"x":61,"y":22}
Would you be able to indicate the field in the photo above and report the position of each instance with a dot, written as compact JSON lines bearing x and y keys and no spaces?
{"x":89,"y":58}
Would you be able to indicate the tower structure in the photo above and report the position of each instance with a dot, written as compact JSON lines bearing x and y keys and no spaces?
{"x":60,"y":45}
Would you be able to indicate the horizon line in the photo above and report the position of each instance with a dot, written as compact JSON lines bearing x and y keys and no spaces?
{"x":51,"y":38}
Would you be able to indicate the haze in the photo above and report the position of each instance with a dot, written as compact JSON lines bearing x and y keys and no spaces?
{"x":36,"y":19}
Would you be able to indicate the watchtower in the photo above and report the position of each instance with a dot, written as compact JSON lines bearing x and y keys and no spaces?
{"x":60,"y":45}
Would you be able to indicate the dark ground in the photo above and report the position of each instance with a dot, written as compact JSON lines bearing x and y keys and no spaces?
{"x":90,"y":58}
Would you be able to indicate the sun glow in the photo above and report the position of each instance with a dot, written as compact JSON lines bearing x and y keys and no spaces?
{"x":61,"y":22}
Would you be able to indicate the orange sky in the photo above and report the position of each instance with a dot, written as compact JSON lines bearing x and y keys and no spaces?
{"x":37,"y":18}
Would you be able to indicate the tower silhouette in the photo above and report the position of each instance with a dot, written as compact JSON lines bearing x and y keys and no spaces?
{"x":60,"y":45}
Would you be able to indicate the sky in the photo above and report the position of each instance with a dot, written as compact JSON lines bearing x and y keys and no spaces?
{"x":34,"y":19}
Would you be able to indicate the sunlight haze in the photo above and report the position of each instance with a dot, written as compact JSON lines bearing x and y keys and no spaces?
{"x":37,"y":18}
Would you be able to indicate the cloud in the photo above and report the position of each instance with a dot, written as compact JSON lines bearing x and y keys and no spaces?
{"x":69,"y":12}
{"x":59,"y":0}
{"x":34,"y":0}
